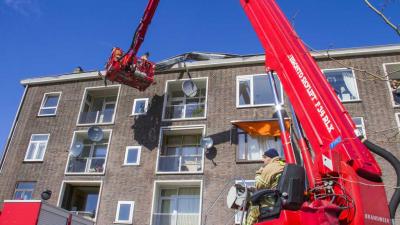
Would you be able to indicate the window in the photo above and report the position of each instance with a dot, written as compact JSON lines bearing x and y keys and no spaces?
{"x":49,"y":104}
{"x":88,"y":156}
{"x":81,"y":198}
{"x":140,"y":106}
{"x":252,"y":147}
{"x":359,"y":121}
{"x":37,"y":147}
{"x":238,"y":214}
{"x":181,"y":151}
{"x":255,"y":90}
{"x":24,"y":190}
{"x":124,"y":212}
{"x":392,"y":71}
{"x":132,"y":155}
{"x":180,"y":106}
{"x":344,"y":83}
{"x":98,"y":105}
{"x":177,"y":205}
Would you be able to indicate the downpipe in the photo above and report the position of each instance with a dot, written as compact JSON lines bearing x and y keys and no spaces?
{"x":388,"y":156}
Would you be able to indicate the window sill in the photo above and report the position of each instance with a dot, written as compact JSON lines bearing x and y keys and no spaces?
{"x":248,"y":161}
{"x":351,"y":101}
{"x":135,"y":115}
{"x":132,"y":164}
{"x":254,"y":106}
{"x":94,"y":124}
{"x":183,"y":119}
{"x":85,"y":174}
{"x":177,"y":173}
{"x":48,"y":115}
{"x":117,"y":222}
{"x":32,"y":161}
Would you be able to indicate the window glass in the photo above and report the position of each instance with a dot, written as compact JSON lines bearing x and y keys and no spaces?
{"x":344,"y":83}
{"x":244,"y":92}
{"x":252,"y":147}
{"x":49,"y":104}
{"x":359,"y":122}
{"x":254,"y":90}
{"x":51,"y":101}
{"x":132,"y":155}
{"x":37,"y":147}
{"x":24,"y":190}
{"x":140,"y":106}
{"x":393,"y":73}
{"x":124,"y":211}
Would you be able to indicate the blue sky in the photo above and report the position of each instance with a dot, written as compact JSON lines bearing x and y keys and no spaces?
{"x":43,"y":37}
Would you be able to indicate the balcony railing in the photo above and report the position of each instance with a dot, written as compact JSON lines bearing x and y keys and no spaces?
{"x":94,"y":117}
{"x":90,"y":215}
{"x":176,"y":163}
{"x":185,"y":111}
{"x":175,"y":219}
{"x":86,"y":165}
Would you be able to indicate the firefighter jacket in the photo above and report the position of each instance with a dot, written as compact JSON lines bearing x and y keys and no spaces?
{"x":268,"y":176}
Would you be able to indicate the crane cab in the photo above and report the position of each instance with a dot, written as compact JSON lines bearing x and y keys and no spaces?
{"x":130,"y":70}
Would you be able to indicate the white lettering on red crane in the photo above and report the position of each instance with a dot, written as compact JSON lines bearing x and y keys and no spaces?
{"x":311,"y":93}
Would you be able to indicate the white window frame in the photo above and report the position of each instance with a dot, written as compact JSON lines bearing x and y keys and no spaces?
{"x":388,"y":83}
{"x":355,"y":83}
{"x":160,"y":145}
{"x":45,"y":96}
{"x":132,"y":208}
{"x":36,"y":149}
{"x":397,"y":115}
{"x":174,"y":183}
{"x":166,"y":100}
{"x":251,"y":78}
{"x":87,"y":89}
{"x":80,"y":182}
{"x":139,"y":149}
{"x":146,"y":107}
{"x":237,"y":218}
{"x":362,"y":125}
{"x":105,"y":160}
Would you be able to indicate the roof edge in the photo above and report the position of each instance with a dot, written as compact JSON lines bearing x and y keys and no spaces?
{"x":244,"y":60}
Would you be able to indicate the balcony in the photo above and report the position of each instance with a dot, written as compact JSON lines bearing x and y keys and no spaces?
{"x":81,"y":198}
{"x":91,"y":159}
{"x":176,"y":163}
{"x":180,"y":151}
{"x":96,"y":117}
{"x":98,"y":106}
{"x":175,"y":219}
{"x":178,"y":106}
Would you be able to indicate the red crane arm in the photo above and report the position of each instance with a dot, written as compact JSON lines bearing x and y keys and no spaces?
{"x":326,"y":123}
{"x":141,"y":29}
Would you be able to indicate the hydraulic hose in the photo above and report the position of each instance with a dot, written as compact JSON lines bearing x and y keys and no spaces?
{"x":395,"y":200}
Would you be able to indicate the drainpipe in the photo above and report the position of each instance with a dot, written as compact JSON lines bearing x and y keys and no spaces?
{"x":11,"y":134}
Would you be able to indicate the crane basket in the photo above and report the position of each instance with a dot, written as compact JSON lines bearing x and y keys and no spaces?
{"x":130,"y":70}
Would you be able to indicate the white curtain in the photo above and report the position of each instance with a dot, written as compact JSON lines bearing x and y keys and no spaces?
{"x":350,"y":84}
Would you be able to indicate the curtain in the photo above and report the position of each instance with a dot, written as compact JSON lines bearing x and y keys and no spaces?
{"x":350,"y":84}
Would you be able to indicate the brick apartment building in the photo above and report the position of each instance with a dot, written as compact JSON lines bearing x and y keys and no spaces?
{"x":148,"y":168}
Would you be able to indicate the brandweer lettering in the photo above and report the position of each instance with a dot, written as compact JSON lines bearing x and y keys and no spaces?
{"x":317,"y":104}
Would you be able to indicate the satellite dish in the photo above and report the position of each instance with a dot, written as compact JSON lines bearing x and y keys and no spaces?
{"x":46,"y":195}
{"x":189,"y":88}
{"x":76,"y":148}
{"x":206,"y":142}
{"x":95,"y":134}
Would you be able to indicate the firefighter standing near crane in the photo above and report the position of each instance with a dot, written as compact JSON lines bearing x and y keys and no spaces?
{"x":267,"y":177}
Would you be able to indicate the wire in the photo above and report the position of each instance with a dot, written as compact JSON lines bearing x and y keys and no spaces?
{"x":362,"y":183}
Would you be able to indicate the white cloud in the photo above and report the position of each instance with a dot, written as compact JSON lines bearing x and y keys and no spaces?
{"x":24,"y":7}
